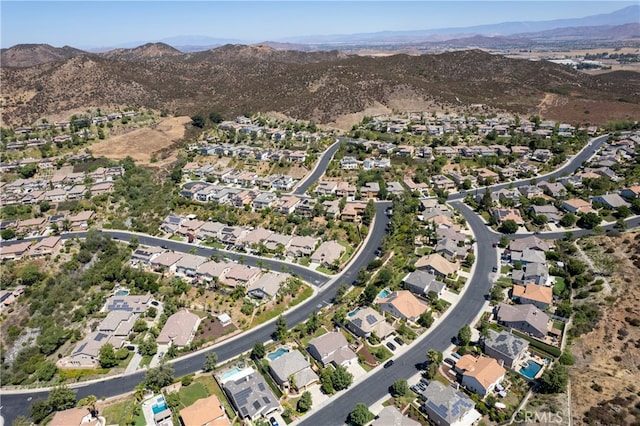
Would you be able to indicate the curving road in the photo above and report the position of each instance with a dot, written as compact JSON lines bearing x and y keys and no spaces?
{"x":371,"y":389}
{"x":319,"y":170}
{"x":16,"y":404}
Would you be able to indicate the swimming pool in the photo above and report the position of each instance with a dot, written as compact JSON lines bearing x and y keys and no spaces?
{"x":384,"y":294}
{"x":531,"y":369}
{"x":159,"y":406}
{"x":353,"y":313}
{"x":230,"y":373}
{"x":277,"y":354}
{"x":123,"y":292}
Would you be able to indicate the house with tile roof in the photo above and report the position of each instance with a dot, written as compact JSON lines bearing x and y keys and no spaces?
{"x":251,"y":396}
{"x":403,"y":304}
{"x":179,"y":329}
{"x":77,"y":416}
{"x":366,"y":321}
{"x":292,"y":363}
{"x":332,"y":348}
{"x":480,"y":375}
{"x":525,"y":318}
{"x":538,"y":295}
{"x":422,"y":283}
{"x":437,"y":264}
{"x":205,"y":412}
{"x":327,"y":253}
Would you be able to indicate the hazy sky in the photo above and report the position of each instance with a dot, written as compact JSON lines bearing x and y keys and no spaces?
{"x":87,"y":24}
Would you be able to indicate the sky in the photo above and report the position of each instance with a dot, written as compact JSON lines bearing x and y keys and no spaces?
{"x":95,"y":24}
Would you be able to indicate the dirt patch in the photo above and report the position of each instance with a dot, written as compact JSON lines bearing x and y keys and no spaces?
{"x":211,"y":329}
{"x":145,"y":144}
{"x":608,"y":358}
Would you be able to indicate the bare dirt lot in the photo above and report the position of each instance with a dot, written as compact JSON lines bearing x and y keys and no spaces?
{"x":605,"y":377}
{"x":144,"y":144}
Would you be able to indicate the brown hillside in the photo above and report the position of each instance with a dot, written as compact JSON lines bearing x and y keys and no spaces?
{"x":320,"y":86}
{"x":142,"y":53}
{"x":27,"y":55}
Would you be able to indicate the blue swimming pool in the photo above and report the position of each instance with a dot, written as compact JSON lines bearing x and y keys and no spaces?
{"x":277,"y":354}
{"x":383,"y":294}
{"x":123,"y":292}
{"x":352,"y":313}
{"x":230,"y":373}
{"x":159,"y":406}
{"x":531,"y":369}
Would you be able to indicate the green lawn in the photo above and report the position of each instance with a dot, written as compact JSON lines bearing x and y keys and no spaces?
{"x":176,"y":238}
{"x":280,"y":308}
{"x":325,"y":270}
{"x":116,"y":414}
{"x":347,"y":253}
{"x":380,"y":352}
{"x":214,"y":244}
{"x":190,"y":394}
{"x":423,"y":251}
{"x":559,"y":286}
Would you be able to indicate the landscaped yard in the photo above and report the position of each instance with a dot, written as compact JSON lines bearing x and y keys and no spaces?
{"x":116,"y":414}
{"x":190,"y":394}
{"x":279,"y":308}
{"x":559,"y":286}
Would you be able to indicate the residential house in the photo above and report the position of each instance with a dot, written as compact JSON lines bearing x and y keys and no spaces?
{"x":549,"y":211}
{"x":179,"y":329}
{"x":437,"y":265}
{"x":332,"y":348}
{"x":87,"y":351}
{"x":403,"y":304}
{"x":276,"y":240}
{"x":190,"y":227}
{"x":531,"y":242}
{"x":251,"y":396}
{"x":391,"y":416}
{"x":118,"y":323}
{"x":505,"y":347}
{"x":77,"y":416}
{"x":46,"y":247}
{"x":14,"y":251}
{"x":287,"y":204}
{"x":542,"y":155}
{"x":554,"y":189}
{"x":349,"y":163}
{"x":301,"y":246}
{"x":480,"y":375}
{"x":525,"y":318}
{"x":29,"y":225}
{"x":205,"y":412}
{"x":450,"y":249}
{"x":441,"y":182}
{"x":137,"y":303}
{"x":328,"y":253}
{"x":534,"y":272}
{"x":188,"y":264}
{"x":167,"y":260}
{"x":77,"y":192}
{"x":352,"y":211}
{"x":345,"y":189}
{"x":264,"y":200}
{"x":101,"y":188}
{"x":55,"y":195}
{"x":502,"y":215}
{"x":254,"y":237}
{"x":241,"y":275}
{"x":326,"y":188}
{"x":209,"y":231}
{"x":528,"y":255}
{"x":447,"y":406}
{"x":538,"y":295}
{"x":422,"y":283}
{"x":610,"y":201}
{"x":80,"y":220}
{"x":370,"y":190}
{"x":212,"y":271}
{"x":144,"y":254}
{"x":395,"y":188}
{"x":531,"y":191}
{"x":294,"y":365}
{"x":577,"y":206}
{"x":631,"y":193}
{"x":367,"y":321}
{"x":267,"y":286}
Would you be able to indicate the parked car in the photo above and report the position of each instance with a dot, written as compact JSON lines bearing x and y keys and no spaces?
{"x":273,"y":421}
{"x":391,"y":346}
{"x":388,"y":363}
{"x":495,"y":269}
{"x":398,"y":340}
{"x":455,"y":355}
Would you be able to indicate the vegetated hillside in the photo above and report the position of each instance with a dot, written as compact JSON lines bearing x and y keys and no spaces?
{"x":27,"y":55}
{"x":142,"y":53}
{"x":320,"y":86}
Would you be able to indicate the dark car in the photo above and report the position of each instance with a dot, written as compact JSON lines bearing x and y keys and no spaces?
{"x":391,"y":346}
{"x":398,"y":340}
{"x":495,"y":269}
{"x":164,"y":246}
{"x":388,"y":363}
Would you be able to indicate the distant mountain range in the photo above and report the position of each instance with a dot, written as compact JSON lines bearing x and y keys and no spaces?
{"x":607,"y":24}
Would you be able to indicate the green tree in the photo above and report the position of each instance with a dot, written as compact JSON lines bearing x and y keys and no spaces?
{"x":589,"y":220}
{"x":360,"y":415}
{"x":508,"y":226}
{"x":159,"y":377}
{"x":30,"y":274}
{"x":369,"y":213}
{"x":61,"y":398}
{"x":567,"y":358}
{"x":107,"y":356}
{"x":426,"y":319}
{"x":464,"y":335}
{"x":326,"y":382}
{"x":400,"y":388}
{"x":198,"y":121}
{"x":46,"y":371}
{"x":313,"y":323}
{"x":210,"y":361}
{"x":7,"y":234}
{"x":148,"y":347}
{"x":90,"y":403}
{"x":568,"y":220}
{"x":281,"y":328}
{"x":341,"y":378}
{"x":554,"y":379}
{"x":486,"y":203}
{"x":215,"y":117}
{"x":504,"y":241}
{"x":39,"y":410}
{"x":258,"y":351}
{"x":305,"y":402}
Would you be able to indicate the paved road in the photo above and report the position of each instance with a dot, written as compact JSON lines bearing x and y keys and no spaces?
{"x":319,"y":170}
{"x":376,"y":384}
{"x":14,"y":405}
{"x":571,"y":166}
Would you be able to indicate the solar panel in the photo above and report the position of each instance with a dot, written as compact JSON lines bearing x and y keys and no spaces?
{"x":266,"y":400}
{"x":371,"y":319}
{"x":243,"y":396}
{"x":261,"y":386}
{"x":256,"y":405}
